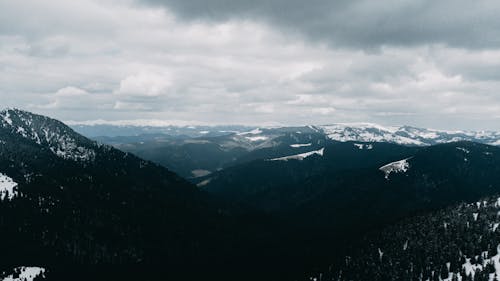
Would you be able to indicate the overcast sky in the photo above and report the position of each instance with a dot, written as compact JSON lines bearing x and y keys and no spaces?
{"x":424,"y":63}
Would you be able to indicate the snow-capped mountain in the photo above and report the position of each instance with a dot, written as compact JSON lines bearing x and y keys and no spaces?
{"x":255,"y":137}
{"x":44,"y":131}
{"x":405,"y":135}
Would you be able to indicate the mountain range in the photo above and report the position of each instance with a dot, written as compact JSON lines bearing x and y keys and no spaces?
{"x":290,"y":203}
{"x":197,"y":151}
{"x":70,"y":204}
{"x":361,"y":132}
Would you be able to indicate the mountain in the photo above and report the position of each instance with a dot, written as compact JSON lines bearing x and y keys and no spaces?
{"x":284,"y":181}
{"x":460,"y":242}
{"x":405,"y":135}
{"x":194,"y":151}
{"x":276,"y":202}
{"x":360,"y":132}
{"x":74,"y":207}
{"x":120,"y":129}
{"x":348,"y":189}
{"x":71,"y":205}
{"x":195,"y":157}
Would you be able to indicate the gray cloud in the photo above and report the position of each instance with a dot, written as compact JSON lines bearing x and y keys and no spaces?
{"x":232,"y":62}
{"x":363,"y":24}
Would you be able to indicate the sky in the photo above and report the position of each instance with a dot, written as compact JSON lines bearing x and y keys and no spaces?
{"x":427,"y":63}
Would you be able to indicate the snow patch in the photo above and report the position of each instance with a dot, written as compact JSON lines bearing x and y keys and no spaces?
{"x":297,"y":145}
{"x":200,"y":173}
{"x":203,"y":183}
{"x":495,"y":227}
{"x":495,"y":143}
{"x":463,"y":150}
{"x":475,"y":215}
{"x":380,"y":254}
{"x":257,"y":138}
{"x":400,"y":166}
{"x":363,"y":146}
{"x":8,"y":187}
{"x":301,"y":156}
{"x":470,"y":269}
{"x":25,"y":273}
{"x":252,"y":132}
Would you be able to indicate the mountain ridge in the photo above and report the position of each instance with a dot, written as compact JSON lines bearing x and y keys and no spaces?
{"x":362,"y":132}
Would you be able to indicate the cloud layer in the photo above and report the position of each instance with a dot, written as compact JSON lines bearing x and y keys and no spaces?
{"x":432,"y":64}
{"x":362,"y":23}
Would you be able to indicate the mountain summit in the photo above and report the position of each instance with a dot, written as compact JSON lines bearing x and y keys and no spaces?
{"x":46,"y":132}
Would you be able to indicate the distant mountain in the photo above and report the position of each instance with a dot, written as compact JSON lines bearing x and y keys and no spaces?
{"x":110,"y":131}
{"x":405,"y":135}
{"x":361,"y":132}
{"x":194,"y":157}
{"x":195,"y":151}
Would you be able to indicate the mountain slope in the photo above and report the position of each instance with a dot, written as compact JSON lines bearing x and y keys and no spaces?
{"x":461,"y":242}
{"x":83,"y":206}
{"x":334,"y":198}
{"x":274,"y":185}
{"x":354,"y":189}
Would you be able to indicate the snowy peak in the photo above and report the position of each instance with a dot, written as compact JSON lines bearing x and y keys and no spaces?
{"x":367,"y":132}
{"x":405,"y":135}
{"x":57,"y":137}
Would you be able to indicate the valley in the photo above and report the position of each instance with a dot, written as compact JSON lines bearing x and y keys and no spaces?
{"x":284,"y":203}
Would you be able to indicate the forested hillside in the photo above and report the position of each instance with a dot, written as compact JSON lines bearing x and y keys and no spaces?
{"x":461,"y":242}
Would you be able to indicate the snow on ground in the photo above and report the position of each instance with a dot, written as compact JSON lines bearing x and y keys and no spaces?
{"x":252,"y":132}
{"x":203,"y":183}
{"x":7,"y":187}
{"x":297,"y":145}
{"x":59,"y":140}
{"x":495,"y":227}
{"x":257,"y":138}
{"x":400,"y":166}
{"x":301,"y":156}
{"x":363,"y":146}
{"x":470,"y":269}
{"x":25,"y":273}
{"x":200,"y":173}
{"x":463,"y":149}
